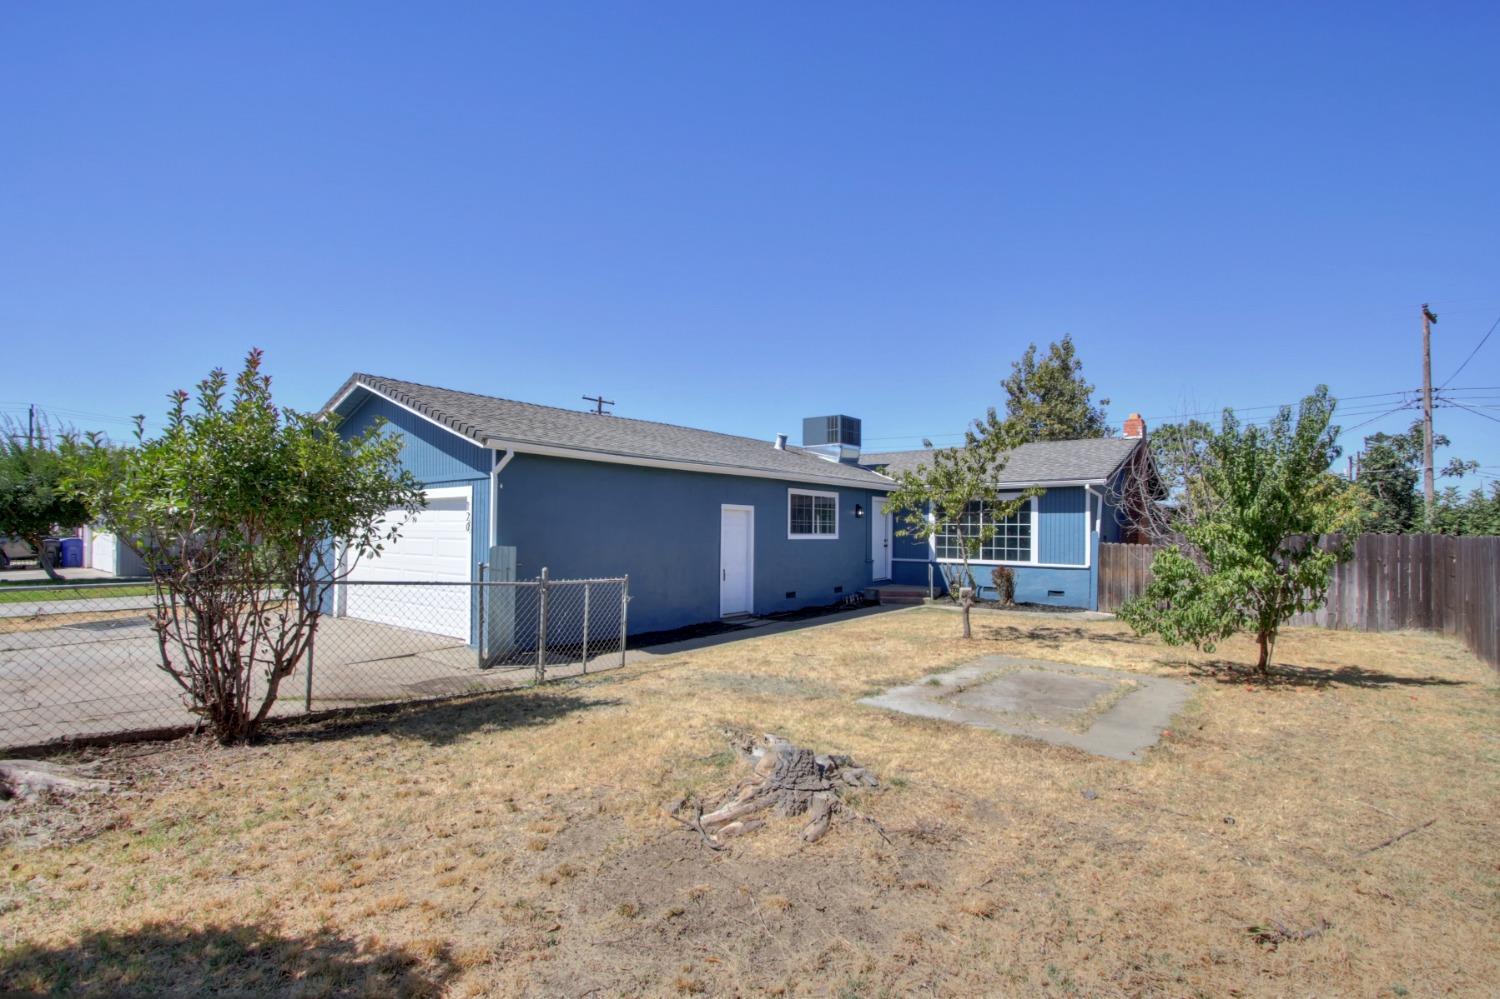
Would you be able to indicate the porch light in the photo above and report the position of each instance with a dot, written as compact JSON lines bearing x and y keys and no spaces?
{"x":859,"y":511}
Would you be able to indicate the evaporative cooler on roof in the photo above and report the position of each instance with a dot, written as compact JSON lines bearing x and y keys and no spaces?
{"x":818,"y":430}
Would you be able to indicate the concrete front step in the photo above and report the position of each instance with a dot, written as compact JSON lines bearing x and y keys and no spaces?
{"x":892,"y":594}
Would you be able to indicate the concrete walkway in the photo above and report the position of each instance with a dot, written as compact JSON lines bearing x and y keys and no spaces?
{"x":34,"y":575}
{"x":79,"y":601}
{"x":1031,"y":615}
{"x":1106,"y":712}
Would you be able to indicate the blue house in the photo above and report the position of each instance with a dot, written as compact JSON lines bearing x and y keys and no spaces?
{"x":706,"y":525}
{"x":1052,"y":543}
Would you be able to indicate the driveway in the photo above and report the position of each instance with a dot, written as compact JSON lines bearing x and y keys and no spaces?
{"x":96,"y":672}
{"x":96,"y":677}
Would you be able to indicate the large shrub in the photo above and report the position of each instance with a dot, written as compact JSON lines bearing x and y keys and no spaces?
{"x":244,"y":514}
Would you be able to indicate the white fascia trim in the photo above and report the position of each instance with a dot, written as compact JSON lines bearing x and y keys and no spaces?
{"x":398,"y":403}
{"x":579,"y":454}
{"x":583,"y":454}
{"x":1049,"y":484}
{"x":837,"y":513}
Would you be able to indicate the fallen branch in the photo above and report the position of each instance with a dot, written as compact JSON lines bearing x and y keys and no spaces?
{"x":1396,"y":838}
{"x":670,"y":810}
{"x":1277,"y":933}
{"x":28,"y":778}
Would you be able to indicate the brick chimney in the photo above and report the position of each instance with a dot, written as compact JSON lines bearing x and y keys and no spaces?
{"x":1135,"y":426}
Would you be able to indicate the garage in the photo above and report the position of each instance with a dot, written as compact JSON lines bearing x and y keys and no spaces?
{"x":434,"y":547}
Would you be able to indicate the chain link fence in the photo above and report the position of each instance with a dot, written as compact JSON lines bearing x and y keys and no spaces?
{"x":83,"y":661}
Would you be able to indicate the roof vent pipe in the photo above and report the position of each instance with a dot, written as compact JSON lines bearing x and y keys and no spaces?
{"x":780,"y":444}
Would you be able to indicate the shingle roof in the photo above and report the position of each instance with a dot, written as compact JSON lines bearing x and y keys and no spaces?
{"x":1044,"y":461}
{"x":485,"y":418}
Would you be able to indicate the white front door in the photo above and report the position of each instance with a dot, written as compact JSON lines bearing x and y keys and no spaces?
{"x":736,"y":560}
{"x":434,"y":547}
{"x":880,"y":540}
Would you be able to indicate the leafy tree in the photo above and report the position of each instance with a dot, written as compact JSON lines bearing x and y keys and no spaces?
{"x":1251,"y":558}
{"x":33,"y":501}
{"x":956,"y":496}
{"x":244,"y":514}
{"x":1389,"y":473}
{"x":1389,"y":480}
{"x":1166,"y":495}
{"x":1048,"y":399}
{"x":1476,"y":513}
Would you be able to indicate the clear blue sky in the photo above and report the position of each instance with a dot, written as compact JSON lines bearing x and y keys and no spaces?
{"x":736,"y":215}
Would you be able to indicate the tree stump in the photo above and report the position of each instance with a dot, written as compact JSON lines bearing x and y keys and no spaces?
{"x":786,"y":780}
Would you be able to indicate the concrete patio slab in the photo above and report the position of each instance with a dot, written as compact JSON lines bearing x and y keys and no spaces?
{"x":1106,"y":712}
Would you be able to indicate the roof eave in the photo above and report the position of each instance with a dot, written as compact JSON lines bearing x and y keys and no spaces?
{"x":1048,"y":483}
{"x":712,"y":468}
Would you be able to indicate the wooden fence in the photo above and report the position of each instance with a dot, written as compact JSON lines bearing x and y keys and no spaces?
{"x":1394,"y":581}
{"x":1124,"y":572}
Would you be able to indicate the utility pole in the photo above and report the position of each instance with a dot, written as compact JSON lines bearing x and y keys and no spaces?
{"x":31,"y":426}
{"x":1428,"y":318}
{"x":599,"y":403}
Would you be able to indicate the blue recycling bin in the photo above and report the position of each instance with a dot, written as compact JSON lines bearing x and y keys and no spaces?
{"x":72,"y":553}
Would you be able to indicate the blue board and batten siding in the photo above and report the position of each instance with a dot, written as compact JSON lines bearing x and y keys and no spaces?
{"x":436,"y":457}
{"x":1066,"y":546}
{"x":661,"y":527}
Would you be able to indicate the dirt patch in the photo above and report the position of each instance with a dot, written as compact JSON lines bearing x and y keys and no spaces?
{"x":70,"y":619}
{"x":513,"y":843}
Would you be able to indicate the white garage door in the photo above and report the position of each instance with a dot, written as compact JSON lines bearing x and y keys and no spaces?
{"x":434,"y":547}
{"x":102,"y":551}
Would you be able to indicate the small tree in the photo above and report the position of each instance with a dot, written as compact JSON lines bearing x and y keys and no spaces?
{"x":956,"y":498}
{"x":33,"y":500}
{"x":1048,"y":399}
{"x":244,"y":514}
{"x":1250,"y":558}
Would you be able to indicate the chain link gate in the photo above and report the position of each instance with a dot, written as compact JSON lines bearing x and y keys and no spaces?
{"x":545,"y":622}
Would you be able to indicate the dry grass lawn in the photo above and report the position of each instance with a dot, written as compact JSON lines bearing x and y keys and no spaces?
{"x":512,"y":843}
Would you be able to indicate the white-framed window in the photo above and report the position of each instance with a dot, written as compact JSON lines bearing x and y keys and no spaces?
{"x":1012,"y":541}
{"x":811,"y":514}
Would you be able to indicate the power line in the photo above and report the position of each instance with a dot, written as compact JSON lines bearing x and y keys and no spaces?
{"x":1372,"y":419}
{"x":1481,"y":342}
{"x":1379,"y":411}
{"x":1476,"y":412}
{"x":1279,"y":405}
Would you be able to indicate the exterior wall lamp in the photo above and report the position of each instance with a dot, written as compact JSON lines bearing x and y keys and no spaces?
{"x":859,"y":511}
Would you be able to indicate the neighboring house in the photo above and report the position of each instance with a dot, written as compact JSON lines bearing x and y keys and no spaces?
{"x":103,"y":550}
{"x":706,"y":525}
{"x":1052,"y":544}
